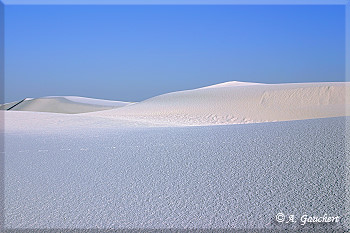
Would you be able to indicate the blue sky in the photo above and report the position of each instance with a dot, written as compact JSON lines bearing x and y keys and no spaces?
{"x":131,"y":53}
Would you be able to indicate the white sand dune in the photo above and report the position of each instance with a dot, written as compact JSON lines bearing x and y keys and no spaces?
{"x":225,"y":103}
{"x":65,"y":104}
{"x":111,"y":170}
{"x":232,"y":84}
{"x":237,"y":102}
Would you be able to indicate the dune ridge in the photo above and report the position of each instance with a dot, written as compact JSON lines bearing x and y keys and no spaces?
{"x":64,"y":104}
{"x":236,"y":103}
{"x":221,"y":104}
{"x":231,"y":84}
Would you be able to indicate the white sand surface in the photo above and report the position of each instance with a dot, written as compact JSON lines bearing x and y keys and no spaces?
{"x":65,"y":104}
{"x":38,"y":122}
{"x":236,"y":103}
{"x":217,"y":177}
{"x":225,"y":103}
{"x":141,"y":166}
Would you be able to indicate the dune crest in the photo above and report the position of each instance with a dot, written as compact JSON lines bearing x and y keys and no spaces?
{"x":236,"y":103}
{"x":231,"y":84}
{"x":221,"y":104}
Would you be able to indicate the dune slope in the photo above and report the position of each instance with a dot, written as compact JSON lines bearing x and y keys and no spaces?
{"x":234,"y":103}
{"x":65,"y":104}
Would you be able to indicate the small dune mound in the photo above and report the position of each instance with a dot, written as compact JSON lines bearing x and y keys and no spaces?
{"x":63,"y":104}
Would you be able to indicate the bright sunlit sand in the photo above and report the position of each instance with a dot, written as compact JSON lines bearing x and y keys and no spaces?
{"x":174,"y":116}
{"x":142,"y":165}
{"x":63,"y":104}
{"x":239,"y":102}
{"x":221,"y":104}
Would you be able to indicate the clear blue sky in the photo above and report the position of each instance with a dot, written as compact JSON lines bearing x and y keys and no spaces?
{"x":132,"y":53}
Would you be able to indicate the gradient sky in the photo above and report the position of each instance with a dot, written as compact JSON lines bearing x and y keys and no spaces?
{"x":131,"y":53}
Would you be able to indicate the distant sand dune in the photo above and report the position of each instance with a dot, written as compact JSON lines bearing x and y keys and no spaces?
{"x":65,"y":104}
{"x":232,"y":84}
{"x":237,"y":103}
{"x":226,"y":103}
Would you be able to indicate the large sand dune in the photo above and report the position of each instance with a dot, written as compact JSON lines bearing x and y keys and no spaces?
{"x":64,"y":104}
{"x":225,"y":103}
{"x":237,"y":102}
